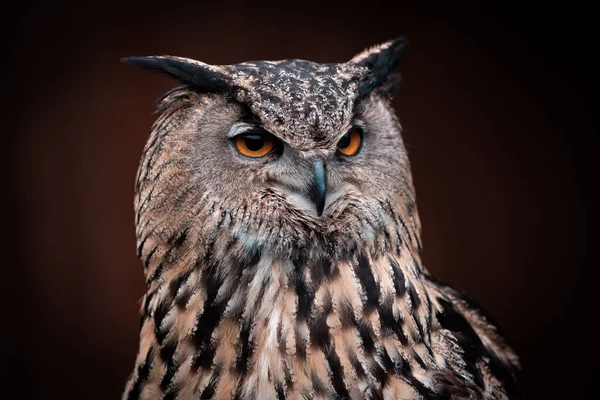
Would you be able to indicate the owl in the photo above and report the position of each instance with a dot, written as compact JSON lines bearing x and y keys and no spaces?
{"x":277,"y":225}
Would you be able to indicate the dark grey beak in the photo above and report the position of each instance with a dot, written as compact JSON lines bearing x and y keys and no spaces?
{"x":319,"y":189}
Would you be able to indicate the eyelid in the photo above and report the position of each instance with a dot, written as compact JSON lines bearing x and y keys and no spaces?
{"x":356,"y":123}
{"x":239,"y":128}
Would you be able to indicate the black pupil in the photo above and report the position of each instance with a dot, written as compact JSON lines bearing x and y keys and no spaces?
{"x":254,"y":142}
{"x":344,"y":141}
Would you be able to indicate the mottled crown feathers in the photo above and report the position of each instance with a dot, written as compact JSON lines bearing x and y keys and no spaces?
{"x":371,"y":69}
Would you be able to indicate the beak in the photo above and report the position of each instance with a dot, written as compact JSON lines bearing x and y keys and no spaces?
{"x":319,"y":187}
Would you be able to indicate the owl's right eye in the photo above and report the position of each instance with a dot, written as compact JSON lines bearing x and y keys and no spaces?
{"x":255,"y":144}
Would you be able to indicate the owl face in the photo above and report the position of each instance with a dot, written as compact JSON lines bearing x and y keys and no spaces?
{"x":288,"y":155}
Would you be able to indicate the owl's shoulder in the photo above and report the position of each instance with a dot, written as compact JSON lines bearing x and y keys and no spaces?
{"x":472,"y":345}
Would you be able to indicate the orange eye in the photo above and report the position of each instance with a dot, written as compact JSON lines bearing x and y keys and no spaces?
{"x":254,"y":144}
{"x":350,"y":143}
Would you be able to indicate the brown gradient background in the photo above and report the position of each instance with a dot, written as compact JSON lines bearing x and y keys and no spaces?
{"x":496,"y":104}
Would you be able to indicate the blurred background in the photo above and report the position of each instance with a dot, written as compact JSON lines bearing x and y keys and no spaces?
{"x":498,"y":108}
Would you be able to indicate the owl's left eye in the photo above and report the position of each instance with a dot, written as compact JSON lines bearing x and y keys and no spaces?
{"x":351,"y":143}
{"x":255,"y":144}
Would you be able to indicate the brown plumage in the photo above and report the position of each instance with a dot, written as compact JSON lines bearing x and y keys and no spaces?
{"x":295,"y":274}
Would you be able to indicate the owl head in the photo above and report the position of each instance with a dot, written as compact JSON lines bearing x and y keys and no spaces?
{"x":297,"y":158}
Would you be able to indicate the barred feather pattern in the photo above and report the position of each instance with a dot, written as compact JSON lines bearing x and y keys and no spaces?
{"x":251,"y":298}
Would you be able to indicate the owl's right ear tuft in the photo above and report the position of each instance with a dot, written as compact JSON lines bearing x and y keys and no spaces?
{"x":203,"y":77}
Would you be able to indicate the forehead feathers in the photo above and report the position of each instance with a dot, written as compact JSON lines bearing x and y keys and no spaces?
{"x":305,"y":103}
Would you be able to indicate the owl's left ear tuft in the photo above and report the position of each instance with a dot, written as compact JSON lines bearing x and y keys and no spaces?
{"x":203,"y":77}
{"x":381,"y":62}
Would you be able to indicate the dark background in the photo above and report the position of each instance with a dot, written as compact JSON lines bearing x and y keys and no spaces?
{"x":497,"y":106}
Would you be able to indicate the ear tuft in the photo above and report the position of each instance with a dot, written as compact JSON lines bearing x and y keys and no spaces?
{"x":203,"y":77}
{"x":385,"y":55}
{"x":381,"y":62}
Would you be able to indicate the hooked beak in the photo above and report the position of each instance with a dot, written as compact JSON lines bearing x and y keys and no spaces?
{"x":319,"y":188}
